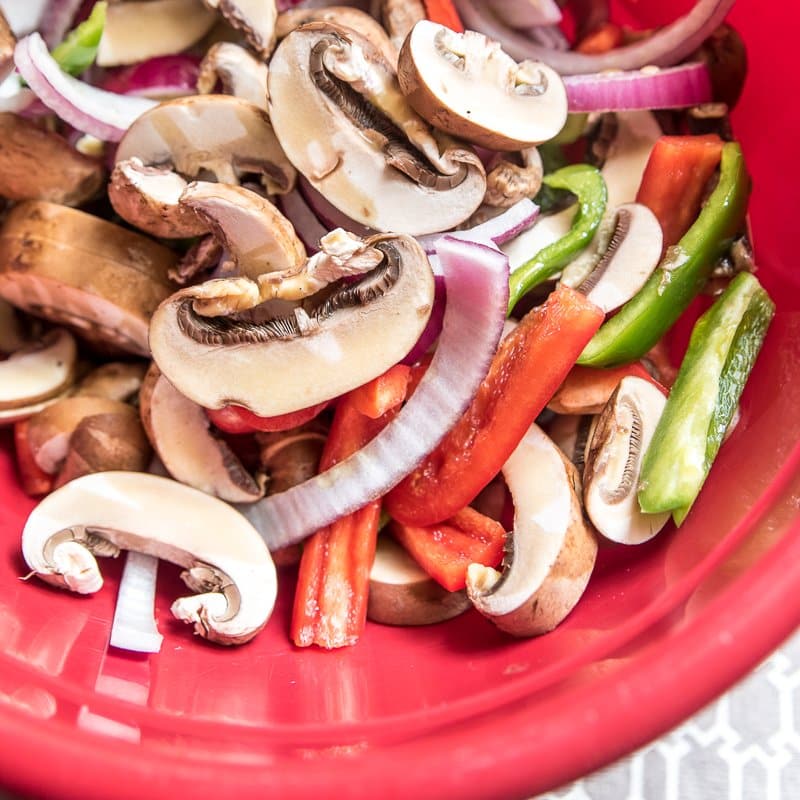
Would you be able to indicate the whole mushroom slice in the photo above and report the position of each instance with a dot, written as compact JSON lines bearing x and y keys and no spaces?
{"x":239,"y":72}
{"x":621,"y":435}
{"x":254,"y":18}
{"x":148,"y":197}
{"x":222,"y":555}
{"x":344,"y":16}
{"x":210,"y":135}
{"x":344,"y":124}
{"x":402,"y":593}
{"x":466,"y":85}
{"x":135,"y":31}
{"x":337,"y":340}
{"x":38,"y":165}
{"x":38,"y":371}
{"x":551,"y":552}
{"x":623,"y":255}
{"x":181,"y":434}
{"x":256,"y":235}
{"x":97,"y":278}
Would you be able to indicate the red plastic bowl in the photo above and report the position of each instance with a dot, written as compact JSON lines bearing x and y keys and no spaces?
{"x":455,"y":710}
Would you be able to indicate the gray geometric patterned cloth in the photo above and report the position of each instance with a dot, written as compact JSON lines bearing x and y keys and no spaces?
{"x":744,"y":746}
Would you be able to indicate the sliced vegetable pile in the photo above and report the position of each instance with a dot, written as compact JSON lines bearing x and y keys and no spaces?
{"x":385,"y":297}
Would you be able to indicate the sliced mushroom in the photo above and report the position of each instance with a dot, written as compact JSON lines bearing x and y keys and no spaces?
{"x":570,"y":432}
{"x":148,"y":197}
{"x":256,"y":235}
{"x":181,"y":434}
{"x":97,"y":278}
{"x":507,"y":182}
{"x":466,"y":85}
{"x":39,"y":371}
{"x":623,"y":255}
{"x":254,"y":18}
{"x":239,"y":72}
{"x":551,"y":552}
{"x":39,"y":165}
{"x":344,"y":124}
{"x":202,"y":258}
{"x":586,"y":390}
{"x":210,"y":136}
{"x":344,"y":16}
{"x":402,"y":593}
{"x":398,"y":17}
{"x":135,"y":31}
{"x":621,"y":435}
{"x":330,"y":345}
{"x":50,"y":430}
{"x":106,"y":442}
{"x":97,"y":515}
{"x":115,"y":380}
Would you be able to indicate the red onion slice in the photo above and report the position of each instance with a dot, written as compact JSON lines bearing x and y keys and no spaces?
{"x":134,"y":626}
{"x":104,"y":115}
{"x":160,"y":78}
{"x":675,"y":87}
{"x":435,"y":321}
{"x":664,"y":48}
{"x":306,"y":224}
{"x":499,"y":229}
{"x":477,"y":292}
{"x":57,"y":19}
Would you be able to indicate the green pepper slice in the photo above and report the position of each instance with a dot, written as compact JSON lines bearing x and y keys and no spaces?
{"x":647,"y":316}
{"x":722,"y":350}
{"x":587,"y":184}
{"x":79,"y":49}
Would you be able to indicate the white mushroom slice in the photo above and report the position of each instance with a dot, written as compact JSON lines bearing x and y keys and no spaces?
{"x":115,"y":380}
{"x":254,"y":18}
{"x":240,"y":73}
{"x":50,"y":430}
{"x":12,"y":415}
{"x":256,"y":235}
{"x":181,"y":434}
{"x":620,"y":437}
{"x":136,"y":31}
{"x":552,"y":551}
{"x":466,"y":85}
{"x":38,"y":371}
{"x":222,"y":554}
{"x":148,"y":197}
{"x":398,"y":17}
{"x":212,"y":134}
{"x":343,"y":122}
{"x":622,"y":257}
{"x":97,"y":278}
{"x":507,"y":182}
{"x":344,"y":16}
{"x":402,"y":593}
{"x":39,"y":165}
{"x":329,"y":346}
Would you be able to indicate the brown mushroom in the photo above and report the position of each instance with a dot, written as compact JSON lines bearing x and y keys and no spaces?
{"x":398,"y":17}
{"x":97,"y":278}
{"x":254,"y":18}
{"x":115,"y":380}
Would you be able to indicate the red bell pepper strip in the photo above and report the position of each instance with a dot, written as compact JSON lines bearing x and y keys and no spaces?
{"x":446,"y":549}
{"x":237,"y":419}
{"x":675,"y":180}
{"x":384,"y":393}
{"x":330,"y":602}
{"x":444,"y":12}
{"x":33,"y":479}
{"x":530,"y":364}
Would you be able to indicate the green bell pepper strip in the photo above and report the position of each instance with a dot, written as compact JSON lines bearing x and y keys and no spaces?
{"x":587,"y":184}
{"x":652,"y":311}
{"x":79,"y":49}
{"x":722,"y":350}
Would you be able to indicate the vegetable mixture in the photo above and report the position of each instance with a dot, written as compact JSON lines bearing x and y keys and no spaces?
{"x":379,"y":293}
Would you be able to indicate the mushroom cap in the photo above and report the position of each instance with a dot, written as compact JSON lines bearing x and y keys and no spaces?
{"x":101,"y":513}
{"x":342,"y":341}
{"x":466,"y":85}
{"x":180,"y":433}
{"x":552,"y":550}
{"x":209,"y":134}
{"x":621,"y":435}
{"x":39,"y":165}
{"x":375,"y":163}
{"x":254,"y":18}
{"x":97,"y":278}
{"x":240,"y":73}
